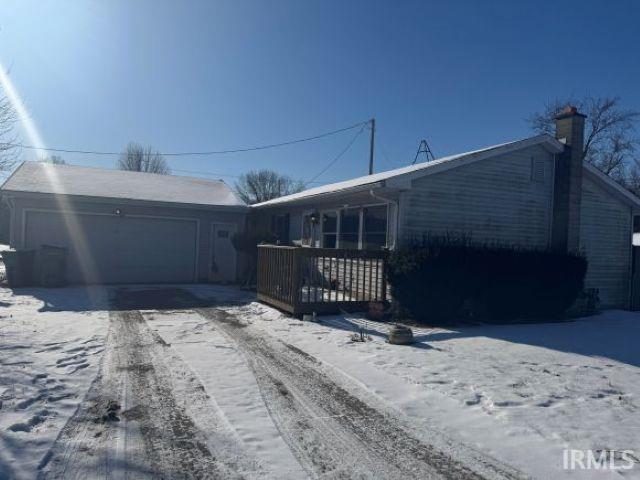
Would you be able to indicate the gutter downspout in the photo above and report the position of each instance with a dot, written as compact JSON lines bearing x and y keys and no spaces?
{"x":396,"y":203}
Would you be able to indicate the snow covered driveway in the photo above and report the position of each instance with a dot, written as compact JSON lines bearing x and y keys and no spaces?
{"x":331,"y":430}
{"x":133,"y":423}
{"x":202,"y":382}
{"x":523,"y":394}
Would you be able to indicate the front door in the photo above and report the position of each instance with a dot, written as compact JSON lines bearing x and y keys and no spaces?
{"x":222,"y":267}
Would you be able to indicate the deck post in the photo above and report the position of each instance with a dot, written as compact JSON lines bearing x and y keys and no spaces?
{"x":296,"y":286}
{"x":384,"y":277}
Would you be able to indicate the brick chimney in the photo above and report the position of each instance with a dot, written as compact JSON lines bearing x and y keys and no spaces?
{"x":565,"y":230}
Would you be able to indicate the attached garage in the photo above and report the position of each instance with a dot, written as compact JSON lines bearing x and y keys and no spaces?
{"x":123,"y":249}
{"x":126,"y":227}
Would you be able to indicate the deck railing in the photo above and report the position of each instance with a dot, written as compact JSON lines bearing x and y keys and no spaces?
{"x":323,"y":280}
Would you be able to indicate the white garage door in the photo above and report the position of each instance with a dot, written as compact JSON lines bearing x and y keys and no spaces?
{"x":113,"y":249}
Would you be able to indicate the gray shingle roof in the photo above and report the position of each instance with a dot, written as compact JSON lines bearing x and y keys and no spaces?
{"x":40,"y":177}
{"x":419,"y":169}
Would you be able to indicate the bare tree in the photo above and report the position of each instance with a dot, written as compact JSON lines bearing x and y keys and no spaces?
{"x":55,"y":159}
{"x":261,"y":185}
{"x":8,"y":137}
{"x":137,"y":158}
{"x":610,"y":143}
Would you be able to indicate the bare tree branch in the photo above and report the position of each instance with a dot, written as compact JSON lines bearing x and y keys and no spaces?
{"x":8,"y":137}
{"x":55,"y":159}
{"x":610,"y":143}
{"x":137,"y":158}
{"x":261,"y":185}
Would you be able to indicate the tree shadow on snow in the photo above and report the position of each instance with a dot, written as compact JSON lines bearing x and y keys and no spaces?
{"x":612,"y":334}
{"x":135,"y":297}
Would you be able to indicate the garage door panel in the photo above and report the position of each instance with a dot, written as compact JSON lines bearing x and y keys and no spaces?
{"x":110,"y":249}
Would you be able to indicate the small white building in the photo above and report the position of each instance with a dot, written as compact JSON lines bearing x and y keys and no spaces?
{"x":126,"y":227}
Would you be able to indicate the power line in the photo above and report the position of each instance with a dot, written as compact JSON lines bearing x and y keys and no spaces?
{"x":210,"y":152}
{"x":384,"y":153}
{"x":199,"y":172}
{"x":212,"y":174}
{"x":337,"y":157}
{"x":384,"y":150}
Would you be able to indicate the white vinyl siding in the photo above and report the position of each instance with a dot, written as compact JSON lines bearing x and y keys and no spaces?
{"x":605,"y":237}
{"x":505,"y":199}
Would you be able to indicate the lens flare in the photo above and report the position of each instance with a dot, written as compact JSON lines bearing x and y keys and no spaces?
{"x":77,"y":242}
{"x":25,"y":119}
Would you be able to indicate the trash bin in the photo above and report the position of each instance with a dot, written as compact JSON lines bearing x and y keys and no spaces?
{"x":19,"y":267}
{"x":52,"y":266}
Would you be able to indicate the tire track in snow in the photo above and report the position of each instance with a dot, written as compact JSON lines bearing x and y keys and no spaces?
{"x":332,"y":433}
{"x":151,"y":435}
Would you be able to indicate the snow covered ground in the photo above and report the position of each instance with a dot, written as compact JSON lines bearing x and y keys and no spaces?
{"x":521,"y":393}
{"x":267,"y":396}
{"x":3,"y":247}
{"x":50,"y":347}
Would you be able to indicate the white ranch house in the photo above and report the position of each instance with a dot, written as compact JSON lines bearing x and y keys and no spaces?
{"x":125,"y":227}
{"x":535,"y":192}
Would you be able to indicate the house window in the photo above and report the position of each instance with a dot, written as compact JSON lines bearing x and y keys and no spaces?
{"x":349,"y":228}
{"x":357,"y":228}
{"x":374,"y":228}
{"x":330,"y":229}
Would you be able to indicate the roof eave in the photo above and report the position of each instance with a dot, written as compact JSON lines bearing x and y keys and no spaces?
{"x":130,"y":201}
{"x":613,"y":186}
{"x":302,"y":200}
{"x":402,"y":180}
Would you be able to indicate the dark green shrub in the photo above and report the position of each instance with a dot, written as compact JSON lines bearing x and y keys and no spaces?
{"x":443,"y":280}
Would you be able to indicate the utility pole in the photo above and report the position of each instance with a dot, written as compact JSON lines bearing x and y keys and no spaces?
{"x":373,"y":134}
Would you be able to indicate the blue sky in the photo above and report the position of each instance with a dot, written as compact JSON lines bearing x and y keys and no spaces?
{"x":189,"y":75}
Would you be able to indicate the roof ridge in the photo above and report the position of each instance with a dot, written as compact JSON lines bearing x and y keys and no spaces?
{"x":381,"y":176}
{"x":126,"y":172}
{"x":82,"y":181}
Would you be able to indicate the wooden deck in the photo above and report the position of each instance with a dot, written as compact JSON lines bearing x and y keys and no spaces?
{"x":323,"y":280}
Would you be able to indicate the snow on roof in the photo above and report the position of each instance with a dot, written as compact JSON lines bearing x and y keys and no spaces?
{"x":42,"y":177}
{"x":418,"y":169}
